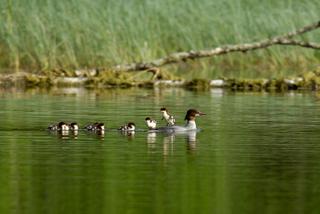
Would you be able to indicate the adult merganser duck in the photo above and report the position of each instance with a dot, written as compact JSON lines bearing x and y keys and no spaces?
{"x":61,"y":126}
{"x":191,"y":122}
{"x":169,"y":118}
{"x":74,"y":126}
{"x":128,"y":127}
{"x":152,"y":124}
{"x":97,"y":126}
{"x":191,"y":118}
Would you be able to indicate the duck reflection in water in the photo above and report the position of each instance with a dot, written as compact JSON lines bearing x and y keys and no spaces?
{"x":151,"y":142}
{"x":151,"y":138}
{"x":169,"y":139}
{"x":129,"y":134}
{"x":74,"y":134}
{"x":191,"y":140}
{"x":65,"y":134}
{"x":99,"y":134}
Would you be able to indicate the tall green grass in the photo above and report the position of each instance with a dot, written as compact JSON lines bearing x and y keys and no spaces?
{"x":45,"y":34}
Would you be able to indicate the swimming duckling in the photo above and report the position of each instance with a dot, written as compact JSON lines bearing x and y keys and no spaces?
{"x":152,"y":124}
{"x":61,"y":126}
{"x":169,"y":118}
{"x":128,"y":127}
{"x":74,"y":126}
{"x":97,"y":126}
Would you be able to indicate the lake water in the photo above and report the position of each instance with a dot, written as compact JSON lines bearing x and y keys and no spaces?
{"x":257,"y":152}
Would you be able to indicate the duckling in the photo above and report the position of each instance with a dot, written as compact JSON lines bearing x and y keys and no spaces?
{"x":61,"y":126}
{"x":128,"y":127}
{"x":169,"y":118}
{"x":152,"y":124}
{"x":74,"y":126}
{"x":97,"y":126}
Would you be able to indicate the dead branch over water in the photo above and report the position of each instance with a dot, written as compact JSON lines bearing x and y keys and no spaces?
{"x":285,"y":39}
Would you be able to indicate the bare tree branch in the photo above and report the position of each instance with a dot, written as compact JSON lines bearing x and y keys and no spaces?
{"x":182,"y":56}
{"x":299,"y":43}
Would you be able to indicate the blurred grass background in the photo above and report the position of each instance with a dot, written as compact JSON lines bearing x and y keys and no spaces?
{"x":38,"y":35}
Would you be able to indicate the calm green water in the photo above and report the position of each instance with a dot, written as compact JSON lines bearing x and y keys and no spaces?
{"x":256,"y":153}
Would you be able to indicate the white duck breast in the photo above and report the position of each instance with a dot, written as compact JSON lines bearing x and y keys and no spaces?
{"x":151,"y":124}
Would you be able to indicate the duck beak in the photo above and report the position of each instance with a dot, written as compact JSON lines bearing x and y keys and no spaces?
{"x":201,"y":113}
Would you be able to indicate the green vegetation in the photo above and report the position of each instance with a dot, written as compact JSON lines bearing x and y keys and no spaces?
{"x":110,"y":79}
{"x":42,"y":35}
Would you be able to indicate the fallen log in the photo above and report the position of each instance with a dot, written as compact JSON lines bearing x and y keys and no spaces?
{"x":285,"y":39}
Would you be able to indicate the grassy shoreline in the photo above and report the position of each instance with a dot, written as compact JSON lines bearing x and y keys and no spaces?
{"x":45,"y":35}
{"x":109,"y":79}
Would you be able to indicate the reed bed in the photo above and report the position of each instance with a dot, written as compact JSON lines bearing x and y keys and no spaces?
{"x":40,"y":35}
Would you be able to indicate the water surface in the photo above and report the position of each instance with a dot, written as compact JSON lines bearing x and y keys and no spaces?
{"x":256,"y":153}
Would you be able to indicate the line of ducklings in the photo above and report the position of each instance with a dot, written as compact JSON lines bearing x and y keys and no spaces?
{"x":99,"y":127}
{"x":94,"y":127}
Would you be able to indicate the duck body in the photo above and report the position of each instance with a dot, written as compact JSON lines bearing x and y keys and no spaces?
{"x":176,"y":128}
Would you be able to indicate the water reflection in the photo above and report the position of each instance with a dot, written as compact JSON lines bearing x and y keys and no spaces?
{"x":168,"y":139}
{"x":65,"y":134}
{"x":129,"y":134}
{"x":151,"y":137}
{"x":98,"y":134}
{"x":191,"y":140}
{"x":151,"y":141}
